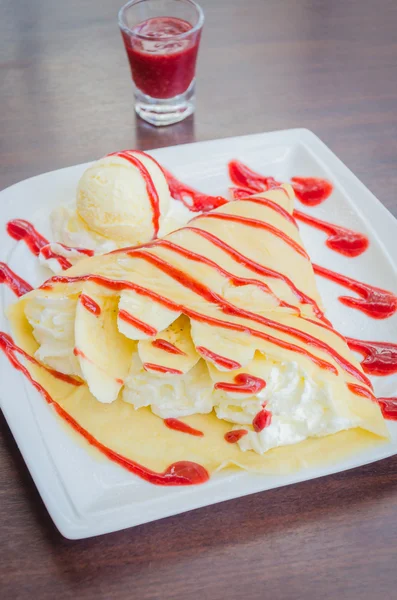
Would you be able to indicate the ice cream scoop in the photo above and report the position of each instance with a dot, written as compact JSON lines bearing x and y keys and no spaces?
{"x":122,"y":200}
{"x":124,"y":197}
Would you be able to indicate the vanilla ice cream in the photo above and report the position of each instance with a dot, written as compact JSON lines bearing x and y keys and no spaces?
{"x":122,"y":200}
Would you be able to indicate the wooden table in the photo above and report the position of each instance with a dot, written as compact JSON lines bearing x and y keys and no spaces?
{"x":66,"y":98}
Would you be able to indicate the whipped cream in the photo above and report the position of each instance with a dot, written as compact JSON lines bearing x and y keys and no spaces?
{"x":52,"y":319}
{"x":170,"y":396}
{"x":299,"y":407}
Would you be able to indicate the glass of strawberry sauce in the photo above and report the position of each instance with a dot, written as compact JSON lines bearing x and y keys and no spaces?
{"x":162,"y":38}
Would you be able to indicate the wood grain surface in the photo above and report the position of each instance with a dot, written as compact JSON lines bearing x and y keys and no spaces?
{"x":66,"y":98}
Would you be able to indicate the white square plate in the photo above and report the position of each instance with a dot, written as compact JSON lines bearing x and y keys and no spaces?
{"x":85,"y":496}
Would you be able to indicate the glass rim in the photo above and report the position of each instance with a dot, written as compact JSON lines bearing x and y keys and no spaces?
{"x":185,"y":34}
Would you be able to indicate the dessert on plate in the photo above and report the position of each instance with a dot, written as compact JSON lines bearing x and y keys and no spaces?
{"x":208,"y":346}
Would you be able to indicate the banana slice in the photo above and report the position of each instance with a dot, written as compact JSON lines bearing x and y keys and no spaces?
{"x":139,"y":318}
{"x":228,"y":350}
{"x":172,"y":350}
{"x":103,"y":352}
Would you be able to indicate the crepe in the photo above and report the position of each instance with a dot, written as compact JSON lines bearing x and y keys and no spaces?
{"x":219,"y":324}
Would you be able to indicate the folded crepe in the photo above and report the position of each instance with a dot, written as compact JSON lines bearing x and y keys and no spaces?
{"x":219,"y":324}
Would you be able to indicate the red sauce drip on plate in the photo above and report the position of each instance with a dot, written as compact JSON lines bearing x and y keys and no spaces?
{"x":161,"y":369}
{"x":48,"y":253}
{"x":243,"y":176}
{"x":234,"y":436}
{"x":144,"y":327}
{"x":388,"y":407}
{"x":244,"y":384}
{"x":262,"y":420}
{"x":194,"y":200}
{"x":178,"y":425}
{"x":374,"y":302}
{"x":150,"y":187}
{"x":178,"y":473}
{"x":85,"y":251}
{"x":90,"y":305}
{"x":167,"y":347}
{"x":342,"y":240}
{"x":311,"y":190}
{"x":11,"y":350}
{"x":18,"y":285}
{"x":240,"y":193}
{"x":380,"y":358}
{"x":20,"y":229}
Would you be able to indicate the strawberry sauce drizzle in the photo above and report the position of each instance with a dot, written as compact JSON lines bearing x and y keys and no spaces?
{"x":257,"y":268}
{"x":309,"y":190}
{"x":345,"y":241}
{"x":255,"y":223}
{"x":194,"y":200}
{"x":161,"y":369}
{"x":137,"y":323}
{"x":11,"y":350}
{"x":178,"y":473}
{"x":342,"y":240}
{"x":262,"y":420}
{"x":150,"y":187}
{"x":388,"y":407}
{"x":16,"y":284}
{"x":19,"y":229}
{"x":234,"y":279}
{"x":120,"y":285}
{"x":90,"y":305}
{"x":230,"y":309}
{"x":374,"y":302}
{"x":232,"y":437}
{"x":244,"y":384}
{"x":217,"y":359}
{"x":380,"y":358}
{"x":178,"y":425}
{"x":167,"y":347}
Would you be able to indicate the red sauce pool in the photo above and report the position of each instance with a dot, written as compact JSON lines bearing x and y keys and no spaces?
{"x":162,"y":64}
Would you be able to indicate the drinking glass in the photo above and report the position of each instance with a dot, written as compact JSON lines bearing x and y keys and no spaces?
{"x":162,"y":38}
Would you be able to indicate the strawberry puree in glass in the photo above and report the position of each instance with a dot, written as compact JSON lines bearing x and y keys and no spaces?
{"x":162,"y":66}
{"x":161,"y":39}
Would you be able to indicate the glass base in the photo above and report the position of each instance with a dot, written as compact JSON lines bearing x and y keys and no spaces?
{"x":165,"y":112}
